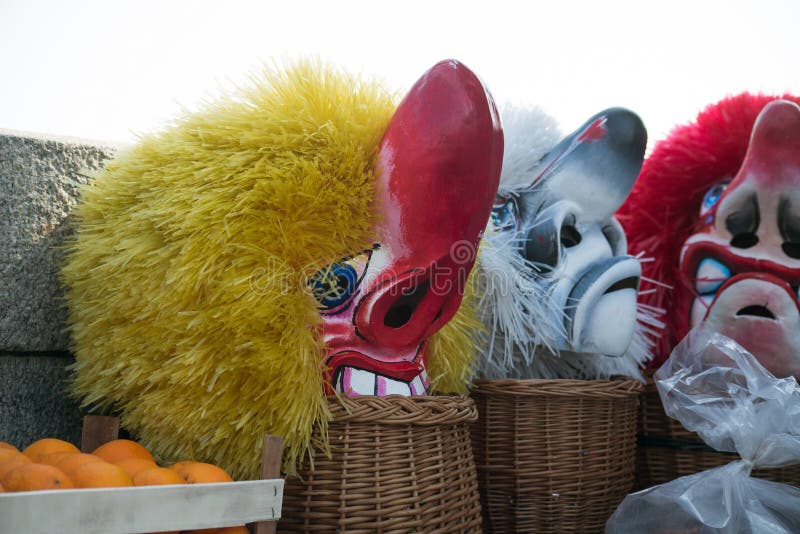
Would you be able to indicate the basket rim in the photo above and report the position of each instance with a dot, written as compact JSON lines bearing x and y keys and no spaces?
{"x":560,"y":387}
{"x":428,"y":410}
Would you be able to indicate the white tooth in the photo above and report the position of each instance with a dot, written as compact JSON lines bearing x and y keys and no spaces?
{"x":710,"y":275}
{"x":396,"y":387}
{"x":338,"y":385}
{"x":362,"y":382}
{"x":416,"y":386}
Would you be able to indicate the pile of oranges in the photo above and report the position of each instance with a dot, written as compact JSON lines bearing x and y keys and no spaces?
{"x":50,"y":464}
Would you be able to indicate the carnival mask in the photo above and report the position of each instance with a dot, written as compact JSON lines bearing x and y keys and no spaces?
{"x":582,"y":284}
{"x":742,"y":265}
{"x":438,"y":169}
{"x":200,"y":302}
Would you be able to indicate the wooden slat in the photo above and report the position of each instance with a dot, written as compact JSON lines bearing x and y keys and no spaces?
{"x":98,"y":429}
{"x":270,"y":469}
{"x":141,"y":509}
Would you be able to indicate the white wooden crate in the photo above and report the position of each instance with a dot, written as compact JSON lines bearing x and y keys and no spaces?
{"x":140,"y":509}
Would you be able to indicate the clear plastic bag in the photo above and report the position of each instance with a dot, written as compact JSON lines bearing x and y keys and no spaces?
{"x":716,"y":388}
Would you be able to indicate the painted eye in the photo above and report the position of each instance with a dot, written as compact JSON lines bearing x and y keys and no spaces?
{"x":712,"y":196}
{"x":504,"y":214}
{"x":335,"y":284}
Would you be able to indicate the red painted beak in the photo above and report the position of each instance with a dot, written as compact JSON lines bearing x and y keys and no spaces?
{"x":439,"y":168}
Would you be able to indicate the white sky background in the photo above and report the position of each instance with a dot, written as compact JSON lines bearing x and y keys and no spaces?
{"x":107,"y":70}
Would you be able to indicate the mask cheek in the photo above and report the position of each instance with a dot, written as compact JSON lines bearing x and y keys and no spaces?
{"x":700,"y":307}
{"x":615,"y":236}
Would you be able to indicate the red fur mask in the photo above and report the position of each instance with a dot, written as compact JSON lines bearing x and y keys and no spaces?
{"x":718,"y":208}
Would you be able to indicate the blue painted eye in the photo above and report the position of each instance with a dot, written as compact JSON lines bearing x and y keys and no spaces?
{"x":504,"y":214}
{"x":335,"y":284}
{"x":712,"y":196}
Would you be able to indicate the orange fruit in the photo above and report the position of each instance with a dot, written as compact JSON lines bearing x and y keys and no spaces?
{"x":200,"y":473}
{"x":8,"y":454}
{"x":4,"y":445}
{"x":156,"y":476}
{"x":55,"y":457}
{"x":30,"y":477}
{"x":134,"y":465}
{"x":1,"y":489}
{"x":12,"y":462}
{"x":121,"y":449}
{"x":36,"y":450}
{"x":100,"y":475}
{"x":71,"y":462}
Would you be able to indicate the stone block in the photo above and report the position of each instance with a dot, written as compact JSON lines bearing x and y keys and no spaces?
{"x":33,"y":399}
{"x":39,"y":181}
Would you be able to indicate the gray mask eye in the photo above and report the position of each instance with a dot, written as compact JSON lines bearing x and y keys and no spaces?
{"x":545,"y":239}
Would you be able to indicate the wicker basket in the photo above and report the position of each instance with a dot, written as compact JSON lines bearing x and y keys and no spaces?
{"x":668,"y":451}
{"x":554,"y":455}
{"x":398,"y":464}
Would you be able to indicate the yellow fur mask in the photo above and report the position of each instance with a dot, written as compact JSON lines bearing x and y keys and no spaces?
{"x":191,"y":278}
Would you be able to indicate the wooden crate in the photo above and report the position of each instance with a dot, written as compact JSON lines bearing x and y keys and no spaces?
{"x":147,"y":508}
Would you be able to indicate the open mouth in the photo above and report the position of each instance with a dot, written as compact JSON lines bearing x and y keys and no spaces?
{"x":756,"y":311}
{"x":631,"y":282}
{"x":746,"y":297}
{"x":603,"y":317}
{"x":354,"y":382}
{"x":761,"y":313}
{"x":355,"y":373}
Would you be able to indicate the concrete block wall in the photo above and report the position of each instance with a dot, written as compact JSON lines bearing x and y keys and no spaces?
{"x":39,"y":181}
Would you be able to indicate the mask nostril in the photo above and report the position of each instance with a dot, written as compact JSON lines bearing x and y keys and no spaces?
{"x":744,"y":240}
{"x":570,"y":236}
{"x":791,"y":249}
{"x":402,"y":309}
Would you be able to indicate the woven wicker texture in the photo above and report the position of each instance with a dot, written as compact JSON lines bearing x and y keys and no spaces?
{"x":668,"y":451}
{"x":554,"y":455}
{"x":398,"y":464}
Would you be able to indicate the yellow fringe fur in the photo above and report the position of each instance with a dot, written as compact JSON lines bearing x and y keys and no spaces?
{"x":186,"y":277}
